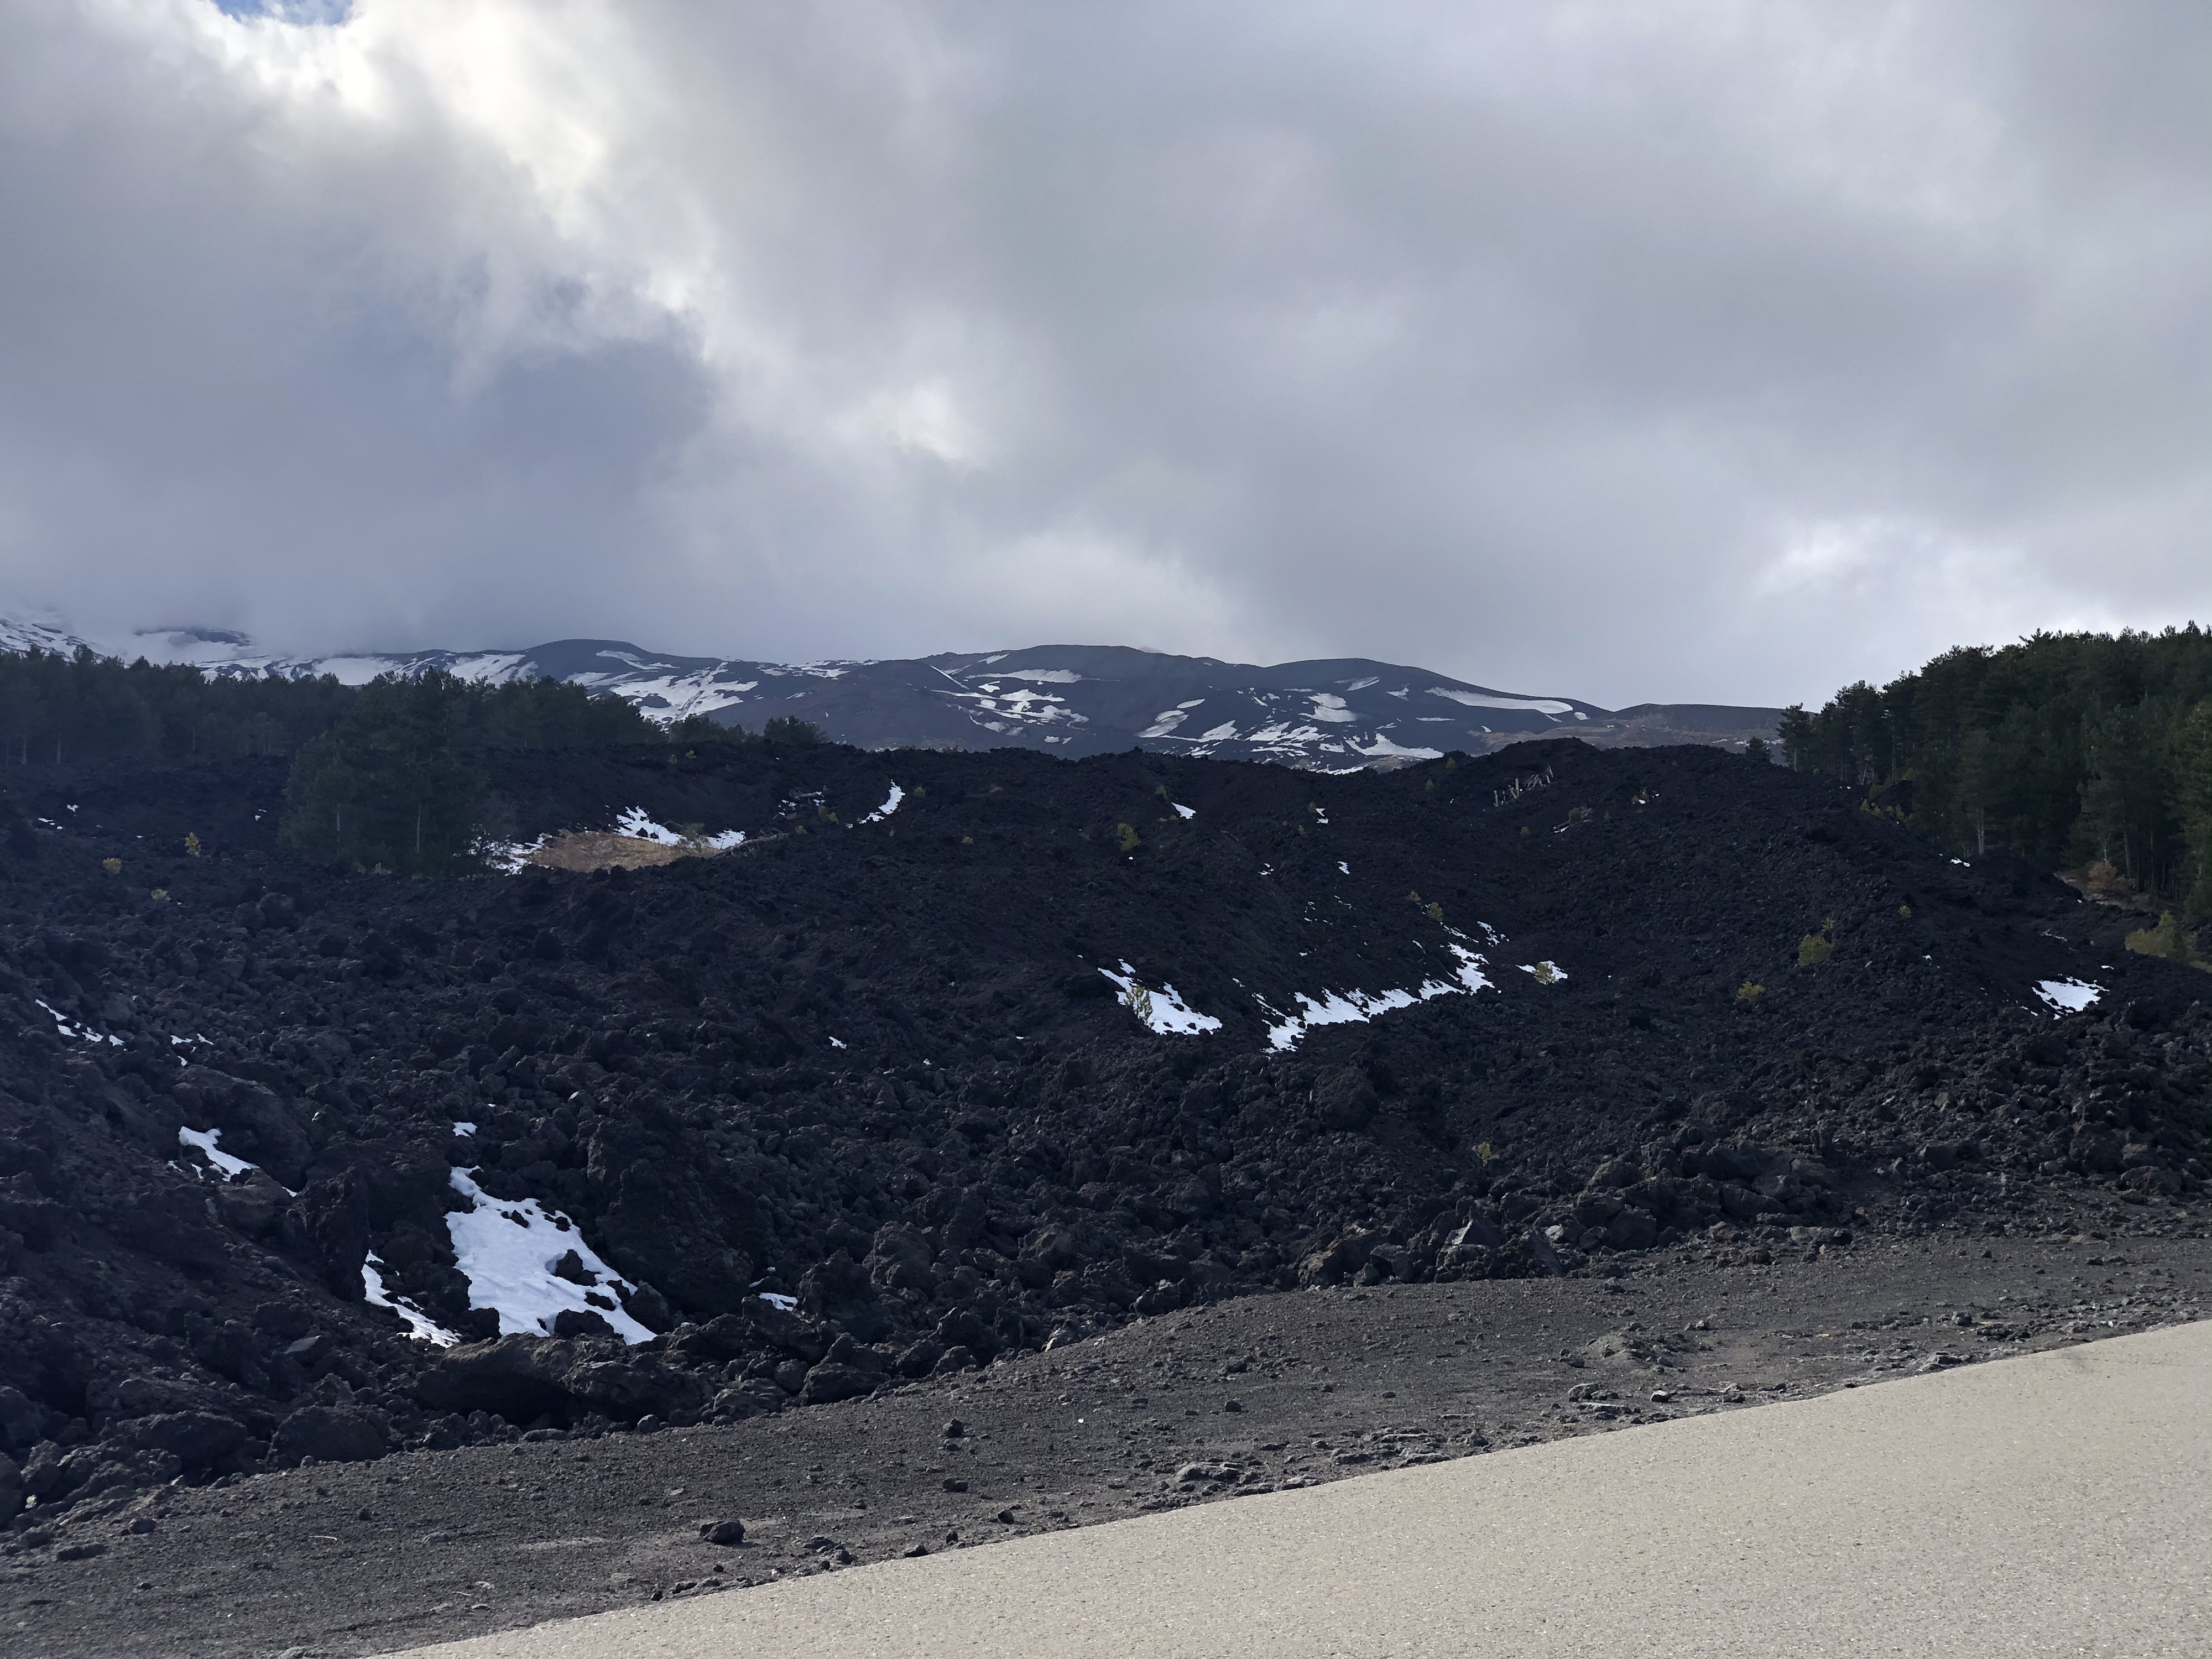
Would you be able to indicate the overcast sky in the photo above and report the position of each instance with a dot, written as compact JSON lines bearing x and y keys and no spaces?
{"x":1661,"y":350}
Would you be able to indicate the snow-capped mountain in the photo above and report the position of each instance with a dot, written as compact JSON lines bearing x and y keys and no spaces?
{"x":1067,"y":699}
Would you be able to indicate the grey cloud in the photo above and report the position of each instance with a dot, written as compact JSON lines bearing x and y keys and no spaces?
{"x":1688,"y":350}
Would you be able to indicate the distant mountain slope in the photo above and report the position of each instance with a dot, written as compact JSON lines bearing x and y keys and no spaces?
{"x":1336,"y":714}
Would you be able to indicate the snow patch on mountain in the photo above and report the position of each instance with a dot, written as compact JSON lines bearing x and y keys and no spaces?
{"x":1491,"y":700}
{"x":22,"y":637}
{"x":1383,"y":746}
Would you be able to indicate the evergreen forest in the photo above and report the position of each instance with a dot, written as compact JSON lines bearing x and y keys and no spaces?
{"x":384,"y":775}
{"x":2079,"y":751}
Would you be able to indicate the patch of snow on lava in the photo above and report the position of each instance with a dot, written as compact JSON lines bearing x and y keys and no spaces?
{"x":462,"y":1128}
{"x":634,"y":822}
{"x":71,"y":1029}
{"x":507,"y":1250}
{"x":1162,"y":1010}
{"x":2068,"y":996}
{"x":228,"y":1163}
{"x":1344,"y":1008}
{"x":507,"y":857}
{"x":1469,"y":975}
{"x":777,"y":1300}
{"x":1183,"y":811}
{"x":1545,"y":972}
{"x":420,"y":1325}
{"x":1335,"y":1008}
{"x":891,"y":805}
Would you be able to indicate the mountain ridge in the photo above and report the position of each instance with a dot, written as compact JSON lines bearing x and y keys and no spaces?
{"x":1331,"y":714}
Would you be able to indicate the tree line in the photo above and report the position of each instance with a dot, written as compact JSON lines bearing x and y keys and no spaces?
{"x":389,"y":774}
{"x":59,"y":710}
{"x":2073,"y":750}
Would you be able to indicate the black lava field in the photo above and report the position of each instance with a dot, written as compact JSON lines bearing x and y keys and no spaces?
{"x":899,"y":1084}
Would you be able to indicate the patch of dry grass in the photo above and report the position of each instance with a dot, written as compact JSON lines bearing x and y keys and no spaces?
{"x":585,"y":850}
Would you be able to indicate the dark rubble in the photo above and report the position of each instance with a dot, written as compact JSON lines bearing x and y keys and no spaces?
{"x":874,"y":1067}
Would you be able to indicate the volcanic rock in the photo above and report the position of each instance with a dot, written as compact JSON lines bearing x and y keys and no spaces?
{"x":822,"y":1110}
{"x":332,"y":1435}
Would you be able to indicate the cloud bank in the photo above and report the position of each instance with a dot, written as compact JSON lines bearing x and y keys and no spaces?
{"x":1682,"y":350}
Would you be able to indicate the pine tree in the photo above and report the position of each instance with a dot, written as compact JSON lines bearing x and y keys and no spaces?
{"x":2193,"y":776}
{"x":1976,"y":783}
{"x":790,"y":729}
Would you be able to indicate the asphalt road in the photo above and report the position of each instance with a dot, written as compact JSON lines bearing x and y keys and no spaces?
{"x":2056,"y":1503}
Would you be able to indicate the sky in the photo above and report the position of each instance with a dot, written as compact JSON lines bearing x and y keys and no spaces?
{"x":1680,"y":350}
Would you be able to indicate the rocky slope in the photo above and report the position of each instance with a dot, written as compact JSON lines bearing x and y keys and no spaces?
{"x":953,"y":1057}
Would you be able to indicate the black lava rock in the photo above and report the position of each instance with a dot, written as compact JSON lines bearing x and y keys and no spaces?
{"x":332,"y":1435}
{"x":873,"y":1071}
